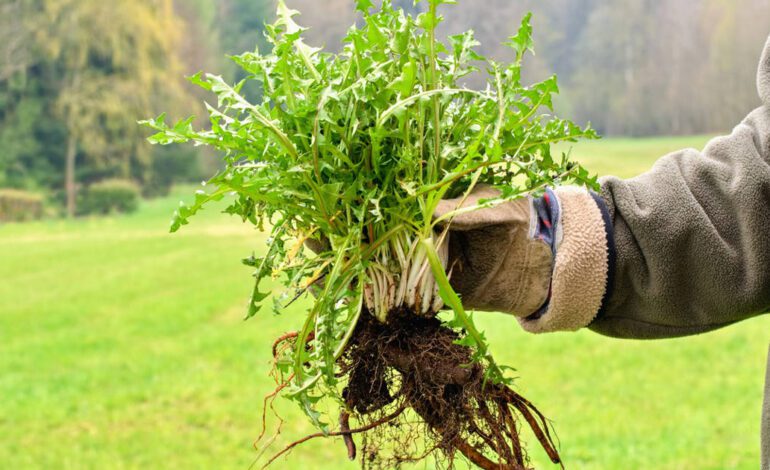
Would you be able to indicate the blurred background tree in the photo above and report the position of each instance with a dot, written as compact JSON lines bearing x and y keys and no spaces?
{"x":105,"y":62}
{"x":240,"y":28}
{"x":75,"y":75}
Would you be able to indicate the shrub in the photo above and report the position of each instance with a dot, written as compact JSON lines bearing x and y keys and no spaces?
{"x":110,"y":195}
{"x":172,"y":165}
{"x":18,"y":206}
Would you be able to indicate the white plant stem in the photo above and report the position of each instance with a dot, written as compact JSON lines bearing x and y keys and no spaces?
{"x":400,"y":277}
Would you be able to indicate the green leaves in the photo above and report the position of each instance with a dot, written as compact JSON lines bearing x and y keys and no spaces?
{"x":179,"y":133}
{"x":285,"y":20}
{"x":522,"y":41}
{"x":463,"y":47}
{"x":364,"y":6}
{"x":257,"y":297}
{"x":354,"y":150}
{"x":404,"y":84}
{"x":184,"y":212}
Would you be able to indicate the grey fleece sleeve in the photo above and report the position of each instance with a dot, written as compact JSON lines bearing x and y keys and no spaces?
{"x":692,"y":235}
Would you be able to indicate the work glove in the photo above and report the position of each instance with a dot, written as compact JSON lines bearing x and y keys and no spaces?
{"x":496,"y":261}
{"x":545,"y":260}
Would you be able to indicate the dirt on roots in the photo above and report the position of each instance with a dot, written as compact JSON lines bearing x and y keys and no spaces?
{"x":415,"y":393}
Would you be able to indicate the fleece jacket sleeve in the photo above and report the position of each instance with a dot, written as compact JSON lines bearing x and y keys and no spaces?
{"x":692,"y":236}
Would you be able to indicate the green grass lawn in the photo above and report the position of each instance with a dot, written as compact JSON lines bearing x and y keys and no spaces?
{"x":122,"y":346}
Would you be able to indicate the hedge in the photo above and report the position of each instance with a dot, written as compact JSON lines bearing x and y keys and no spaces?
{"x":108,"y":196}
{"x":18,"y":206}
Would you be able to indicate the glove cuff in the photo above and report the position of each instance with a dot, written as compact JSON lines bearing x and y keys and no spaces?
{"x":582,"y":264}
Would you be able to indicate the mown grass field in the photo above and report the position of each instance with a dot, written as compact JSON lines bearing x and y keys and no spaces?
{"x":122,"y":346}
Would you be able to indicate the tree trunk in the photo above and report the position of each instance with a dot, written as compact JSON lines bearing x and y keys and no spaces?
{"x":69,"y":175}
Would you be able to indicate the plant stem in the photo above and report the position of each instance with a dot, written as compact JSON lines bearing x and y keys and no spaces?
{"x":434,"y":85}
{"x":449,"y":295}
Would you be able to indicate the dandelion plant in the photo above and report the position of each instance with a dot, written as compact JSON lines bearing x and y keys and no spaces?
{"x":349,"y":153}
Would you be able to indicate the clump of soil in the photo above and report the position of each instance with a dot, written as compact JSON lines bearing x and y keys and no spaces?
{"x":416,"y":393}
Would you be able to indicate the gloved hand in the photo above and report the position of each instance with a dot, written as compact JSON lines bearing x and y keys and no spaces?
{"x":497,"y":260}
{"x":545,"y":260}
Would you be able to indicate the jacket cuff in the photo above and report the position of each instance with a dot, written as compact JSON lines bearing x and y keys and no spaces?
{"x":582,"y":259}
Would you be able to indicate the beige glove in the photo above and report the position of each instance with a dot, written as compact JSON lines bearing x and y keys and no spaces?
{"x":495,"y":262}
{"x":544,"y":260}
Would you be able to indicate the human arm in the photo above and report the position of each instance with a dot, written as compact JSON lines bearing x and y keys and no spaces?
{"x":692,"y":235}
{"x":681,"y":249}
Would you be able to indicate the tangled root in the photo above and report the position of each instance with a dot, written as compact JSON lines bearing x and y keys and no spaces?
{"x":414,"y":363}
